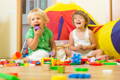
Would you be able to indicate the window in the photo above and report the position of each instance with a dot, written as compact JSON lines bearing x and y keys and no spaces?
{"x":31,"y":4}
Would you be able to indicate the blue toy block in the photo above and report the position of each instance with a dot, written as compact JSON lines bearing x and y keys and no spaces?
{"x":80,"y":76}
{"x":37,"y":63}
{"x":87,"y":76}
{"x":76,"y":58}
{"x":73,"y":76}
{"x":25,"y":55}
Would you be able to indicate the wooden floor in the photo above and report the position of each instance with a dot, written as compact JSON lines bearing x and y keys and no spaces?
{"x":43,"y":72}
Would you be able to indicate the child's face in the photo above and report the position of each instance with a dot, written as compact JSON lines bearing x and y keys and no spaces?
{"x":79,"y":21}
{"x":36,"y":20}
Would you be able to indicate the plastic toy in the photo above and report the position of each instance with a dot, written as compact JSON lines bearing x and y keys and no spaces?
{"x":81,"y":76}
{"x":59,"y":77}
{"x":81,"y":69}
{"x":8,"y":77}
{"x":76,"y":58}
{"x":36,"y":28}
{"x":61,"y":69}
{"x":17,"y":55}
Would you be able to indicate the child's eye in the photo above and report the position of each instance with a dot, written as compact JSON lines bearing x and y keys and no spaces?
{"x":33,"y":19}
{"x":38,"y":18}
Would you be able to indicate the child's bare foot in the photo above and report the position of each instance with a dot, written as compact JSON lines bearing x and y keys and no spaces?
{"x":26,"y":59}
{"x":103,"y":57}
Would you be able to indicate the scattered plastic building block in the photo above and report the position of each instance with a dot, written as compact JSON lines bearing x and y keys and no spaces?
{"x":61,"y":69}
{"x":37,"y":63}
{"x":17,"y":55}
{"x":8,"y":77}
{"x":84,"y":60}
{"x":81,"y":76}
{"x":54,"y":67}
{"x":92,"y":59}
{"x":81,"y":69}
{"x":95,"y":64}
{"x":59,"y":77}
{"x":107,"y":71}
{"x":25,"y":55}
{"x":110,"y":63}
{"x":14,"y":74}
{"x":76,"y":58}
{"x":118,"y":60}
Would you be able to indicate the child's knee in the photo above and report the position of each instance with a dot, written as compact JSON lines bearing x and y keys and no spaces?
{"x":99,"y":51}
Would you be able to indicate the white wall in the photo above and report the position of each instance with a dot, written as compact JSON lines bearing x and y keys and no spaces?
{"x":99,"y":9}
{"x":116,"y":9}
{"x":8,"y":27}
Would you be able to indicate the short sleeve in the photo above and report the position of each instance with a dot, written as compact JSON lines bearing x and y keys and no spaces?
{"x":50,"y":34}
{"x":30,"y":33}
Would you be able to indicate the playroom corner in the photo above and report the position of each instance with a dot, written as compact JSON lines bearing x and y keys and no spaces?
{"x":59,"y":40}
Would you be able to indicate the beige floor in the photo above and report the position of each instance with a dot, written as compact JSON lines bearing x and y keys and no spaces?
{"x":43,"y":72}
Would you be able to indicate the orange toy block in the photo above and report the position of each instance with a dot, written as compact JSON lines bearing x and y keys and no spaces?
{"x":17,"y":55}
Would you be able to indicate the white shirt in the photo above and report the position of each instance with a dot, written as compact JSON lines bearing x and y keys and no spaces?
{"x":83,"y":40}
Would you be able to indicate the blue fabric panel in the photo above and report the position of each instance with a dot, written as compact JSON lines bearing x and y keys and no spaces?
{"x":60,"y":25}
{"x":115,"y":36}
{"x":91,"y":22}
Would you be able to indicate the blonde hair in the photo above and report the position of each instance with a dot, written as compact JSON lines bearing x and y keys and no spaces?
{"x":38,"y":11}
{"x":81,"y":13}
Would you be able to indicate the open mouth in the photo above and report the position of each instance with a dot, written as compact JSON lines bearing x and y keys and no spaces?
{"x":37,"y":24}
{"x":78,"y":23}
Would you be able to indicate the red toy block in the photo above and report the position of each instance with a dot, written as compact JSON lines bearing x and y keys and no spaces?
{"x":14,"y":74}
{"x":33,"y":62}
{"x":47,"y":59}
{"x":117,"y":60}
{"x":67,"y":62}
{"x":95,"y":64}
{"x":17,"y":55}
{"x":84,"y":59}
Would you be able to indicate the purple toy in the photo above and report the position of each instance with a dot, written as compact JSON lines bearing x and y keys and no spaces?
{"x":36,"y":28}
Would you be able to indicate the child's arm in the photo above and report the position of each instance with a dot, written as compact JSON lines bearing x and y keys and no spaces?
{"x":71,"y":44}
{"x":33,"y":42}
{"x":93,"y":42}
{"x":53,"y":45}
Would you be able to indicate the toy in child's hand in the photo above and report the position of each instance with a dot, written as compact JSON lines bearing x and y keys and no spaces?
{"x":52,"y":53}
{"x":36,"y":27}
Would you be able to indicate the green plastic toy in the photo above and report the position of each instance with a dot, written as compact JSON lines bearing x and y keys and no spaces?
{"x":8,"y":77}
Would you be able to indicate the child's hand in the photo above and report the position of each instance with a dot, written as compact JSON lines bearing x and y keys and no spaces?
{"x":76,"y":48}
{"x":79,"y":47}
{"x":53,"y":53}
{"x":85,"y":47}
{"x":38,"y":32}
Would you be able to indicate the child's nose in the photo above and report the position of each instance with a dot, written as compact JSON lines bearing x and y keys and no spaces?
{"x":78,"y":19}
{"x":36,"y":20}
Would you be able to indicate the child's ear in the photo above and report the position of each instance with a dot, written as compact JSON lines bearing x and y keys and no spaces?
{"x":86,"y":22}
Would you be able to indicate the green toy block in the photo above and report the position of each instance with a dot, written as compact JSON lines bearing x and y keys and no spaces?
{"x":73,"y":64}
{"x":54,"y":67}
{"x":21,"y":64}
{"x":102,"y":61}
{"x":8,"y":77}
{"x":110,"y":63}
{"x":81,"y":69}
{"x":61,"y":69}
{"x":47,"y":63}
